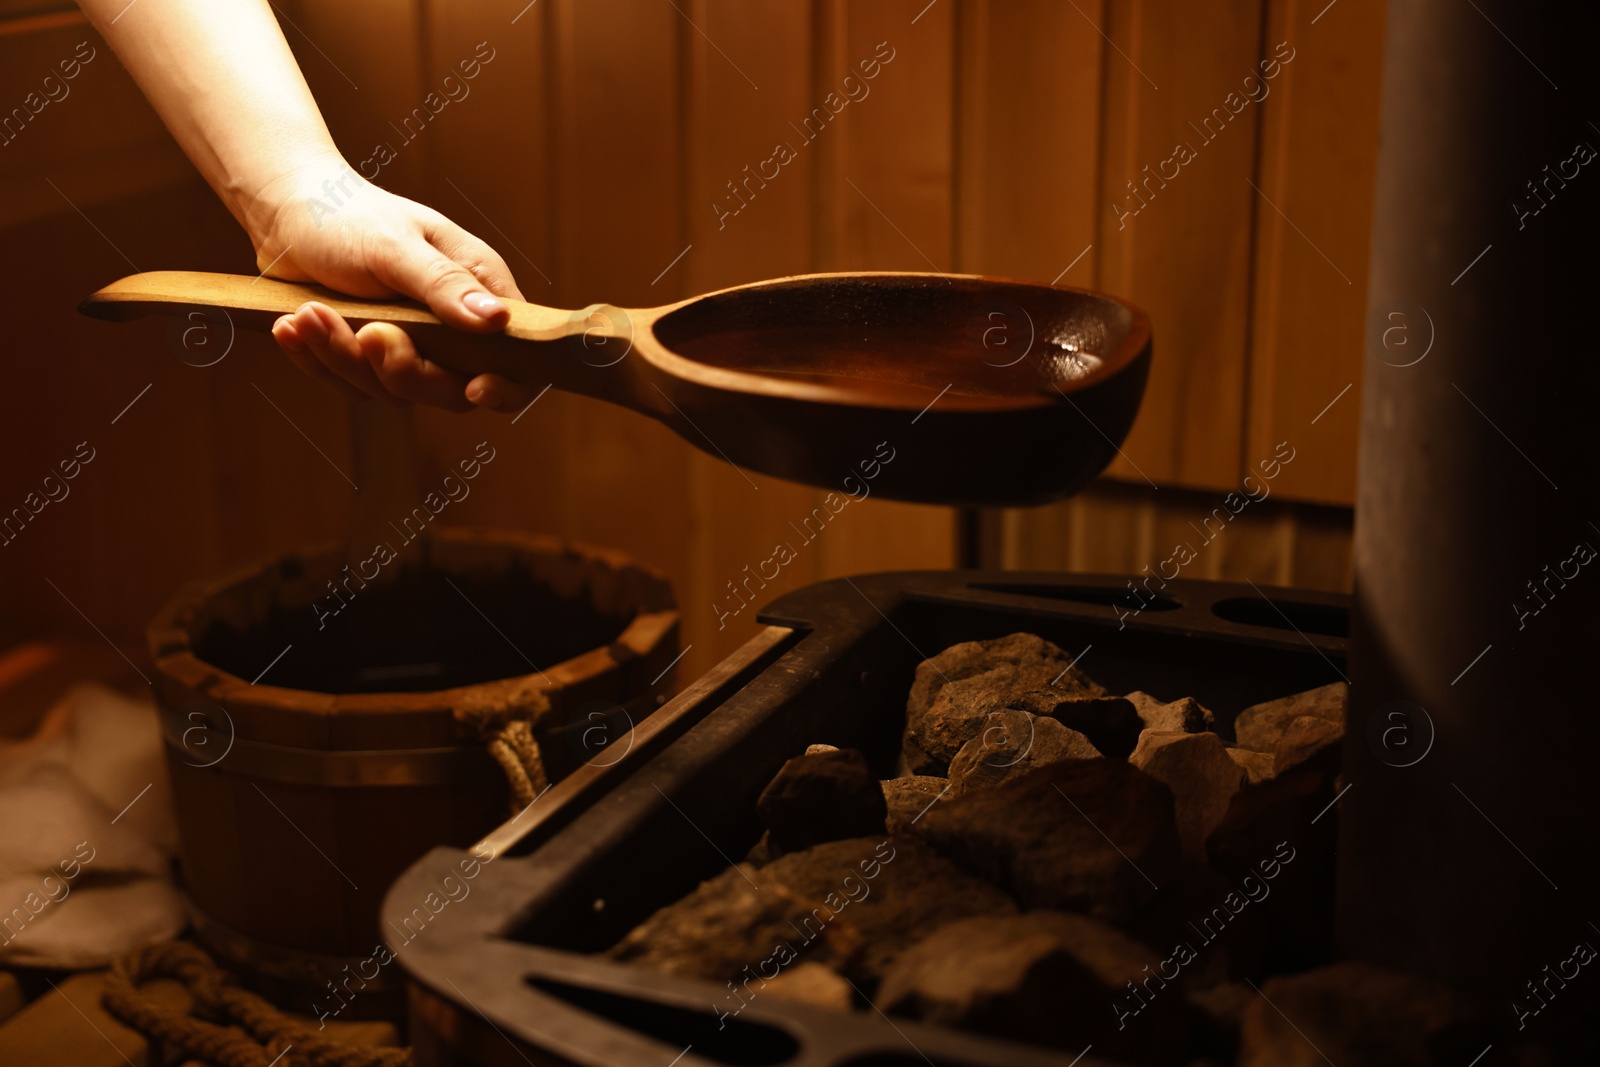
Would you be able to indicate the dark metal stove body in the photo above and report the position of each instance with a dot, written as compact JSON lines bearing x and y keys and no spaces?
{"x":508,"y":974}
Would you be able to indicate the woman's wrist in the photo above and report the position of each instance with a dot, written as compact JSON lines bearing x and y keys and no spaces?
{"x":319,"y":184}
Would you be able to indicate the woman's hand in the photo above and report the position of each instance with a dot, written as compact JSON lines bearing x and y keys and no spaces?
{"x":224,"y":81}
{"x":324,"y":223}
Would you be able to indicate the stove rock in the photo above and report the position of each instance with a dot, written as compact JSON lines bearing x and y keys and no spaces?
{"x":1012,"y":743}
{"x":910,"y":796}
{"x":1258,"y":766}
{"x":954,"y":692}
{"x":1311,"y":741}
{"x":1203,"y":779}
{"x":1095,"y":836}
{"x":1262,"y":726}
{"x":1111,"y":724}
{"x":1185,"y":715}
{"x":851,"y":905}
{"x":822,"y":796}
{"x":1046,"y":977}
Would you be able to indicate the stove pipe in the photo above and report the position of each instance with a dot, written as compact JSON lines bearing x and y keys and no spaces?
{"x":1468,"y":841}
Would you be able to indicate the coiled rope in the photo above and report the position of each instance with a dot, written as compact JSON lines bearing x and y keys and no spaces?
{"x":227,"y":1026}
{"x":232,"y":1027}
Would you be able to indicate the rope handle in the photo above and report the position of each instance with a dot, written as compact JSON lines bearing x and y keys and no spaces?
{"x":505,"y":725}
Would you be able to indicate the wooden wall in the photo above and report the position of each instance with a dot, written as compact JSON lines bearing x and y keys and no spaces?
{"x":1001,"y":138}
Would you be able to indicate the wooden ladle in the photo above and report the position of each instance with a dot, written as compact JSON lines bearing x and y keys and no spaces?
{"x":981,"y":391}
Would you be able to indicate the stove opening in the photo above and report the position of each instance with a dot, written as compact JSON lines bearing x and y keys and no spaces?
{"x":724,"y":1039}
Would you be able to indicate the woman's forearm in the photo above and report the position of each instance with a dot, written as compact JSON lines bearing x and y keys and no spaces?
{"x":225,"y":83}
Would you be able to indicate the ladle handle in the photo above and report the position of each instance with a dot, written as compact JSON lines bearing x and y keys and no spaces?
{"x":256,"y":303}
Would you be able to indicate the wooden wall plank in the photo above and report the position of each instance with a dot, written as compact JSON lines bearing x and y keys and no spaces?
{"x":1320,"y":548}
{"x":1256,"y":545}
{"x":618,"y":122}
{"x":1107,"y":535}
{"x":1180,"y":245}
{"x":93,"y":129}
{"x":751,"y":77}
{"x":750,"y":70}
{"x":1029,"y":80}
{"x":1317,"y":160}
{"x":199,"y":475}
{"x":889,"y":159}
{"x":593,"y":197}
{"x":886,"y":169}
{"x":1028,"y":96}
{"x":1115,"y":528}
{"x":492,"y":171}
{"x":363,"y":62}
{"x":490,"y":165}
{"x":33,"y":10}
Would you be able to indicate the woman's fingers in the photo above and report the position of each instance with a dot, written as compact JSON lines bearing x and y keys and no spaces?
{"x":451,"y":291}
{"x":483,"y":262}
{"x":460,"y":278}
{"x":294,"y":347}
{"x":397,"y":372}
{"x":395,"y":362}
{"x":329,"y":338}
{"x":407,"y":375}
{"x":494,"y":393}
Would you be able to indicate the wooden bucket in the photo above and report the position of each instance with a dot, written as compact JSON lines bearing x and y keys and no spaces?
{"x":311,"y":732}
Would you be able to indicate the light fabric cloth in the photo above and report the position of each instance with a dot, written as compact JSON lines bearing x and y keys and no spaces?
{"x":87,"y":834}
